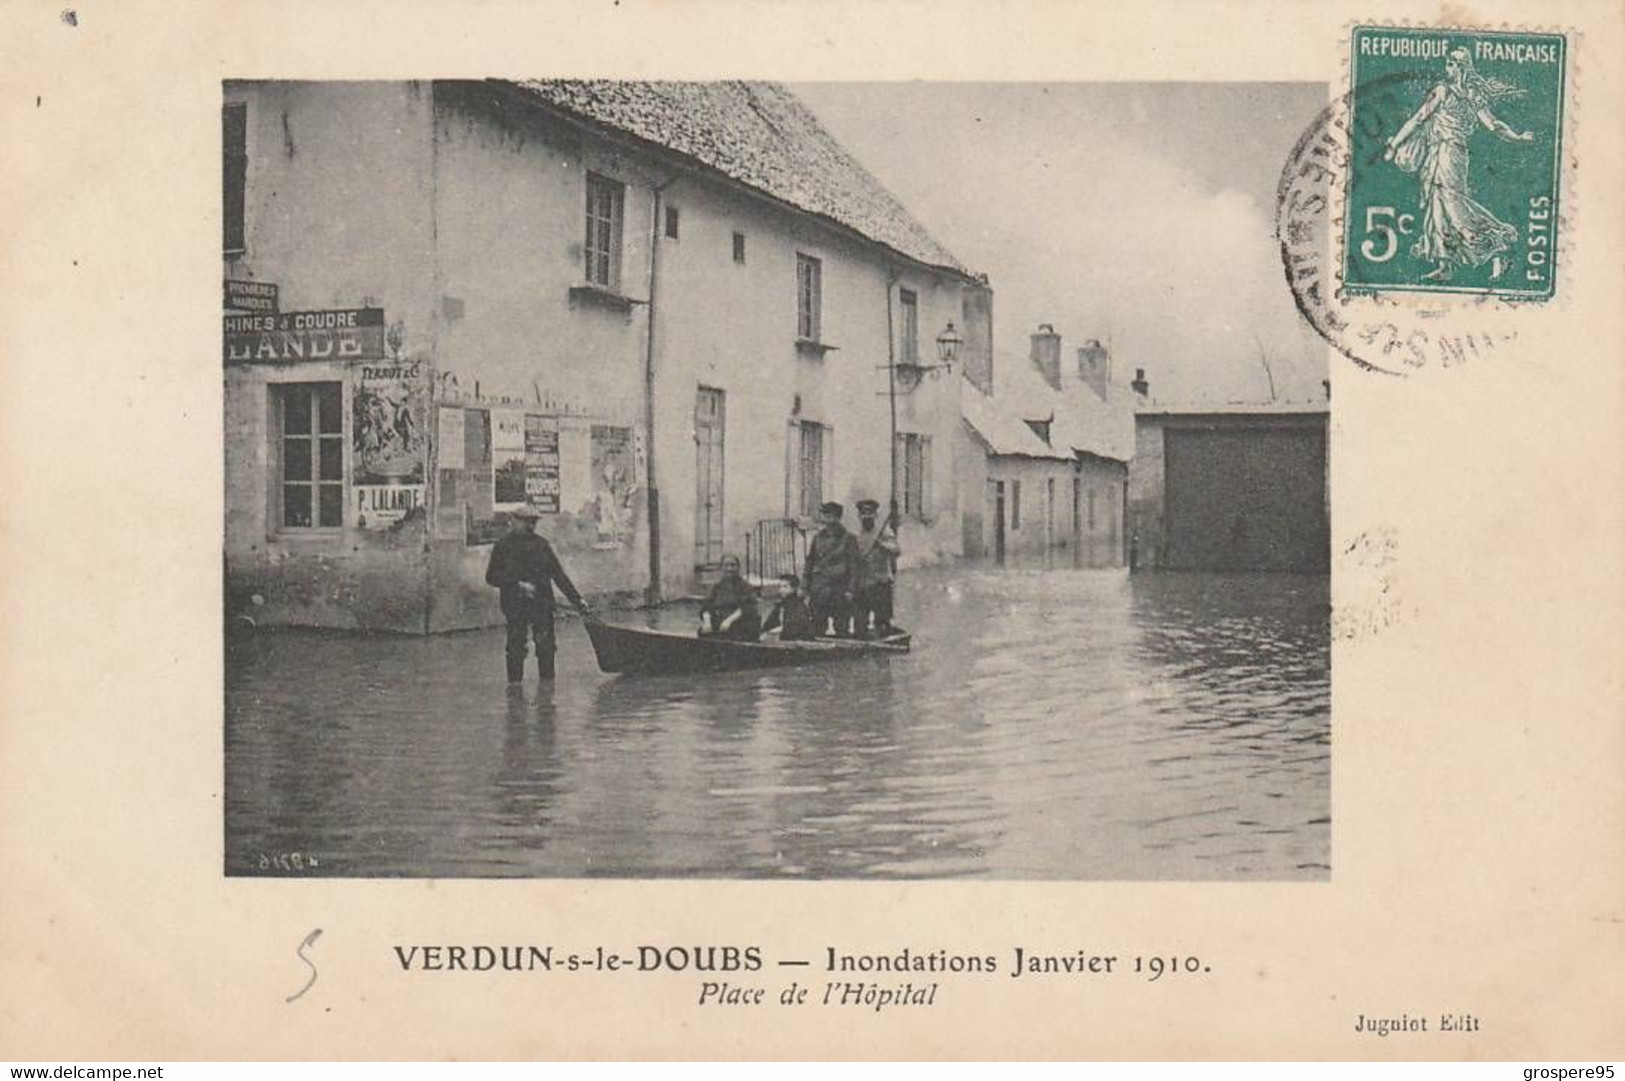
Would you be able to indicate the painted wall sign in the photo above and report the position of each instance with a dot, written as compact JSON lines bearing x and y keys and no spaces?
{"x":378,"y":506}
{"x":450,"y":437}
{"x":251,"y":296}
{"x":508,"y":459}
{"x":340,"y":334}
{"x":389,"y":411}
{"x":542,"y":463}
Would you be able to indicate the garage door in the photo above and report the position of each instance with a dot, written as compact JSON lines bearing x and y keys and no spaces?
{"x":1246,"y":500}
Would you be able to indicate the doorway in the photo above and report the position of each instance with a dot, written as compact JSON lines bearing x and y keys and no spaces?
{"x":710,"y":416}
{"x":998,"y":521}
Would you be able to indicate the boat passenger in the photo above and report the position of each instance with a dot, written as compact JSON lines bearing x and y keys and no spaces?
{"x":791,"y":615}
{"x":730,"y":609}
{"x":832,"y":572}
{"x":877,"y":569}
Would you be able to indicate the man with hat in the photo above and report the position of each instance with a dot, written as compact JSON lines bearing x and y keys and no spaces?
{"x":832,"y":572}
{"x":877,"y":569}
{"x":525,"y":569}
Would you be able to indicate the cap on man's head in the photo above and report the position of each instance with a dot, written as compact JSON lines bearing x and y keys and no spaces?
{"x":868,"y":506}
{"x":834,"y":509}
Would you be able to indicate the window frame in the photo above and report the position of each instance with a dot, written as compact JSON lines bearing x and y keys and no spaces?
{"x":314,"y":438}
{"x":908,"y":305}
{"x":1015,"y":504}
{"x":609,"y":228}
{"x":913,"y":481}
{"x":674,"y":222}
{"x":739,"y":247}
{"x":809,"y":297}
{"x":812,"y":482}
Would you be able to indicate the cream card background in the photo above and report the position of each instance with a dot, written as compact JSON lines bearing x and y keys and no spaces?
{"x":1479,"y":809}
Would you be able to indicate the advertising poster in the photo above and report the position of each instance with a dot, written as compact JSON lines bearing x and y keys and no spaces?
{"x":388,"y":412}
{"x":614,"y":480}
{"x":542,"y":463}
{"x":508,"y":459}
{"x":450,"y":437}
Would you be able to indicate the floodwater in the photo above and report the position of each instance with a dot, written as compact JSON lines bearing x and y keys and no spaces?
{"x":1050,"y":724}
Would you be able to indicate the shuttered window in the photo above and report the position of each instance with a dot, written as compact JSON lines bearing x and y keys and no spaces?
{"x":234,"y":168}
{"x":913,"y":482}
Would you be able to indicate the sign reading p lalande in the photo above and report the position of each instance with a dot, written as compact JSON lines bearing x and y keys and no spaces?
{"x":337,"y":334}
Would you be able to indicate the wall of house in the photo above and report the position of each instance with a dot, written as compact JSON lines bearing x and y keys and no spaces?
{"x":1058,"y":526}
{"x":458,"y":210}
{"x":1146,"y":476}
{"x":510,"y":198}
{"x":971,"y":470}
{"x":338,"y":217}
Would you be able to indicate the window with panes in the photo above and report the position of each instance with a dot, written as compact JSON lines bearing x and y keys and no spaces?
{"x":311,"y":426}
{"x":809,"y":299}
{"x":605,"y":199}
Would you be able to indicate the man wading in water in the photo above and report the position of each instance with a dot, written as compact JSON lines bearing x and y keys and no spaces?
{"x":525,"y":569}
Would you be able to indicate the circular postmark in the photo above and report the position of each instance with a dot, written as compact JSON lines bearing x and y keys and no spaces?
{"x":1393,"y":334}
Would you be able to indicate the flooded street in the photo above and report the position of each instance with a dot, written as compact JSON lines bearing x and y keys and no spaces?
{"x":1057,"y":724}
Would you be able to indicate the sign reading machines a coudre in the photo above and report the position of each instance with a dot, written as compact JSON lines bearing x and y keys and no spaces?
{"x":272,"y":337}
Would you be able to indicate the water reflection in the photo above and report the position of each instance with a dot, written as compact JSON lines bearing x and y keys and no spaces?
{"x":1051,"y":723}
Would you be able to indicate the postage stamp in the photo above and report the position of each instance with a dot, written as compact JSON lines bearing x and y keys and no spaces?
{"x":1456,"y":191}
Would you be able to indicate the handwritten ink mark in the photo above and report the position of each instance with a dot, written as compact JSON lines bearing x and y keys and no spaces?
{"x":310,"y":940}
{"x":70,"y":16}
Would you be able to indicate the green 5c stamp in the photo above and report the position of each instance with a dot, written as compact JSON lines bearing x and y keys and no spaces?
{"x":1456,"y":190}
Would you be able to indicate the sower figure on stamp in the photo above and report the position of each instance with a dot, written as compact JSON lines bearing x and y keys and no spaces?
{"x":1457,"y":230}
{"x":877,"y":570}
{"x":832,"y":572}
{"x":525,"y":569}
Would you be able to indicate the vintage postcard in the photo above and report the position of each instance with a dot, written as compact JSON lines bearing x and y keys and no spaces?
{"x":1078,"y":533}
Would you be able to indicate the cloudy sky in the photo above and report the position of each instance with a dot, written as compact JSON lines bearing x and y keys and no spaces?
{"x":1139,"y":213}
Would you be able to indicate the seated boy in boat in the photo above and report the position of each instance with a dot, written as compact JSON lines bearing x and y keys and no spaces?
{"x":730,"y":610}
{"x":791,"y":615}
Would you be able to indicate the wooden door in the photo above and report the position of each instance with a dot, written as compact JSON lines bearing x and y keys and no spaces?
{"x":709,"y":424}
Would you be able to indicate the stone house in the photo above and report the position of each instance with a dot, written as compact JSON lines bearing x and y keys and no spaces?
{"x":1043,"y":457}
{"x":660,"y":314}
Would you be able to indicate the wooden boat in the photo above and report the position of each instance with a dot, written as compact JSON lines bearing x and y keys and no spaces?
{"x":637,"y":649}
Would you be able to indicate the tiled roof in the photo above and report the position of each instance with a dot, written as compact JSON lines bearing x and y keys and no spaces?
{"x":758,"y":134}
{"x":1081,"y":420}
{"x":1002,"y":431}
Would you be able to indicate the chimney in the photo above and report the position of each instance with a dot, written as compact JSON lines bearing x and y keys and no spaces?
{"x":1095,"y":367}
{"x":1047,"y":354}
{"x":1141,"y":387}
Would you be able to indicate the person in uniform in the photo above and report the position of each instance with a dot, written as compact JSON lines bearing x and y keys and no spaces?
{"x":730,"y":609}
{"x":525,"y":569}
{"x":832,"y":572}
{"x":877,"y":570}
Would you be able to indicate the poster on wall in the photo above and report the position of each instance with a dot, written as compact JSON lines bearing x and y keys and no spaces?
{"x":450,"y":437}
{"x":614,"y":483}
{"x":508,"y":459}
{"x":542,"y":463}
{"x":389,"y":410}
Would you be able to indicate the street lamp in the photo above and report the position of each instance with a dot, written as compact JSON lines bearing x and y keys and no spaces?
{"x":948,"y":343}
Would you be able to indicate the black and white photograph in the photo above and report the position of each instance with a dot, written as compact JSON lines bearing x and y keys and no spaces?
{"x":819,"y":531}
{"x":736,"y":479}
